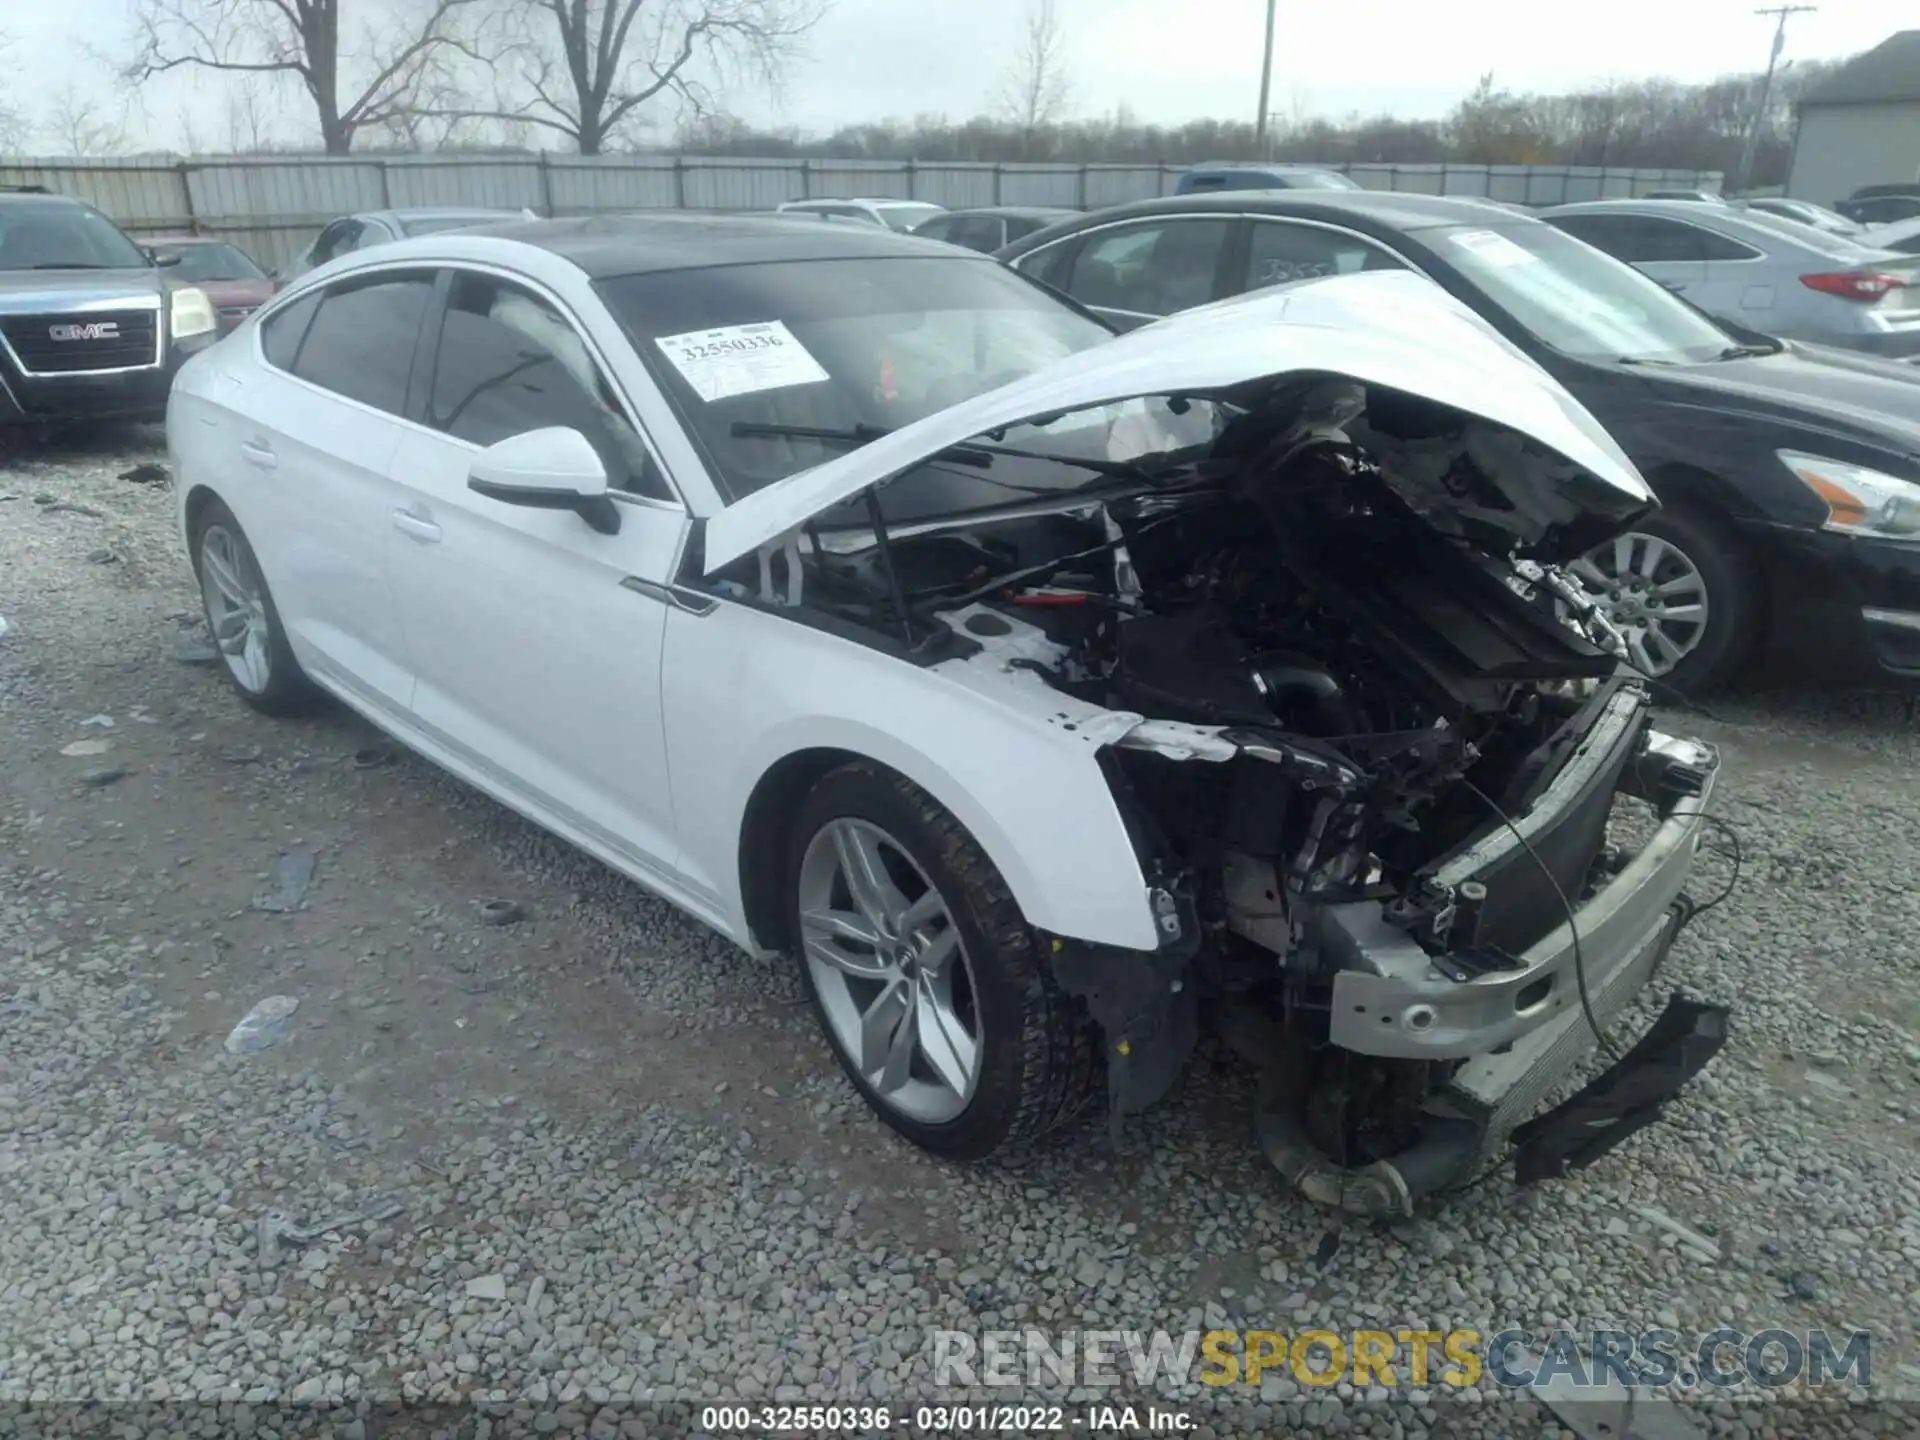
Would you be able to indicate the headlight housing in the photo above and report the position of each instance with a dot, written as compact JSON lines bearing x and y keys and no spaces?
{"x":1859,"y":501}
{"x":192,"y":313}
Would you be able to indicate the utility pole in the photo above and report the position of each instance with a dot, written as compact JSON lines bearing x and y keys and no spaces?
{"x":1266,"y":85}
{"x":1780,"y":14}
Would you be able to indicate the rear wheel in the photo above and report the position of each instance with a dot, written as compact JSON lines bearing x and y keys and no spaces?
{"x":924,"y":975}
{"x":242,"y":617}
{"x":1681,"y":594}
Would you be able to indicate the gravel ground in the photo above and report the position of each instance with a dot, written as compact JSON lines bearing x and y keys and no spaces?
{"x":596,"y":1159}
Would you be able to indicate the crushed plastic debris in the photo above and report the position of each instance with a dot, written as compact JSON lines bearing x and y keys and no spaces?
{"x":277,"y":1229}
{"x":97,"y":722}
{"x":262,"y":1027}
{"x":147,"y":473}
{"x":292,"y":874}
{"x":87,"y":747}
{"x":372,"y":757}
{"x":101,"y":778}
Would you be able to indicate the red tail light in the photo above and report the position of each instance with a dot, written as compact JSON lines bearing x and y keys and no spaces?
{"x":1866,"y":286}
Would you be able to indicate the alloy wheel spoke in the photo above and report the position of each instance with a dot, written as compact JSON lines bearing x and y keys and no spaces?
{"x":939,"y":951}
{"x":949,"y":1050}
{"x":1652,"y":551}
{"x":865,"y":872}
{"x":1683,"y":612}
{"x":231,"y":631}
{"x":884,"y":1028}
{"x":843,"y":925}
{"x":1590,"y":575}
{"x":226,"y":580}
{"x":1623,"y":556}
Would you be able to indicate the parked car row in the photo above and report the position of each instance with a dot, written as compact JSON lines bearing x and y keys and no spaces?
{"x":1038,"y":690}
{"x":1787,"y":471}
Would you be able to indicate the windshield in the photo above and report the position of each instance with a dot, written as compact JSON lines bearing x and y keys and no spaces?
{"x":64,"y":237}
{"x":905,"y":217}
{"x":1324,"y":180}
{"x":214,"y":262}
{"x":841,"y":345}
{"x":1575,"y":299}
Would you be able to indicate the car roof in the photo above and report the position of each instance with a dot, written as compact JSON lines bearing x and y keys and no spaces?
{"x":610,"y":245}
{"x":1393,"y":209}
{"x":188,"y":240}
{"x":46,"y":201}
{"x":439,"y":212}
{"x":862,"y":200}
{"x":1018,"y":212}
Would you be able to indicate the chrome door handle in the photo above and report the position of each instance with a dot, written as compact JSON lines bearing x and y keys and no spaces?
{"x":258,"y":452}
{"x":416,"y":527}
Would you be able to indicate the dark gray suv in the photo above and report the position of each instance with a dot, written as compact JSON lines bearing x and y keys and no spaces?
{"x":90,"y":326}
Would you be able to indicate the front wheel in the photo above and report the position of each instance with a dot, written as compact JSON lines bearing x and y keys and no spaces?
{"x":243,"y":619}
{"x":1681,"y":593}
{"x":924,"y":975}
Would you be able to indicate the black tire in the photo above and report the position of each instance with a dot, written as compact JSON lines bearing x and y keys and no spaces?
{"x":287,"y":690}
{"x":1734,"y":602}
{"x":1041,"y":1059}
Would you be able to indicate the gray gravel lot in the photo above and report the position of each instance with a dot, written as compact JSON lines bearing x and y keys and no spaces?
{"x":601,"y":1157}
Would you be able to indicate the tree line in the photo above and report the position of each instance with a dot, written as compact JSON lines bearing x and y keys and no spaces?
{"x":598,"y":76}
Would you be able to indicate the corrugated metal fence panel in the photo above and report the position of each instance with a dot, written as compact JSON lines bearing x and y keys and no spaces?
{"x":741,"y":184}
{"x":308,"y":189}
{"x":1039,"y":184}
{"x":586,"y":185}
{"x":868,"y":179}
{"x":273,"y":204}
{"x":955,"y":185}
{"x":498,"y":182}
{"x":141,"y":194}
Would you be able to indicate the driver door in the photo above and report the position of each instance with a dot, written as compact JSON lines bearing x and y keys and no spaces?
{"x":535,"y":640}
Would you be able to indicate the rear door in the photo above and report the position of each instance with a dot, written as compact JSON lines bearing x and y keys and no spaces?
{"x":535,"y":640}
{"x":1281,"y":251}
{"x":316,"y":428}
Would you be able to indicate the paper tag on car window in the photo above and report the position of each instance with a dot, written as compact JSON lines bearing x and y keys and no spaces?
{"x":740,"y":359}
{"x":1494,"y":248}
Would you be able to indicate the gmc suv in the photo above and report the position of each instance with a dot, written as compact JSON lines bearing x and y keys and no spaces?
{"x":90,"y":327}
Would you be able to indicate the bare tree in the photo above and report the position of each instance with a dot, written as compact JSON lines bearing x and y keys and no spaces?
{"x":358,"y":75}
{"x":13,"y":125}
{"x":82,"y":126}
{"x":585,"y":68}
{"x":252,"y":110}
{"x":1035,"y":91}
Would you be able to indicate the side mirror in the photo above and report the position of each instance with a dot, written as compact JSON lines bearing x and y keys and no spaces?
{"x":551,"y":469}
{"x":164,"y":258}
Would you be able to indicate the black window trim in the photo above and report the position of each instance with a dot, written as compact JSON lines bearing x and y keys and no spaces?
{"x":1234,"y":242}
{"x":1687,"y":223}
{"x":427,"y":360}
{"x":1222,"y":266}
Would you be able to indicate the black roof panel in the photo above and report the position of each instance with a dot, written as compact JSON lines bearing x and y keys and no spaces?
{"x":1396,"y":209}
{"x":635,"y":244}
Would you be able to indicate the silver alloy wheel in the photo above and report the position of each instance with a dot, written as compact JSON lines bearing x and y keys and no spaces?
{"x":892,"y":973}
{"x":1653,"y":592}
{"x":236,"y":607}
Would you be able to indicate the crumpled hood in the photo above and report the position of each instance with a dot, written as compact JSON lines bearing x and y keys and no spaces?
{"x":1385,"y":328}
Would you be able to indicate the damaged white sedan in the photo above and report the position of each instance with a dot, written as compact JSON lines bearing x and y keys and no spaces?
{"x":1046,"y":695}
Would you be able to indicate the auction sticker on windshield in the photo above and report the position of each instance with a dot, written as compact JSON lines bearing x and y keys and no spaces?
{"x":740,"y":359}
{"x":1493,"y":247}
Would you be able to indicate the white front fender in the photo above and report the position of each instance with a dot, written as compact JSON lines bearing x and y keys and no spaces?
{"x":744,"y":689}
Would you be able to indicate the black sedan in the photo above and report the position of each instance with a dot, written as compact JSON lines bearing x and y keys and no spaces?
{"x":991,"y":226}
{"x":1789,"y":473}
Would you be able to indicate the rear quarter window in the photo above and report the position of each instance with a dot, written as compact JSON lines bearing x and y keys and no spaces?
{"x":360,"y":344}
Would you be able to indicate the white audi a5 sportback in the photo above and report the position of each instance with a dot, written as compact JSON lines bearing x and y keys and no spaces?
{"x":1040,"y":691}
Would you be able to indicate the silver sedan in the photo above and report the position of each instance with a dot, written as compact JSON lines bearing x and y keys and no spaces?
{"x":1763,"y":272}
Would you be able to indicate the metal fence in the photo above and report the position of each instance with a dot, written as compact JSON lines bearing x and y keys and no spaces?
{"x":274,"y":204}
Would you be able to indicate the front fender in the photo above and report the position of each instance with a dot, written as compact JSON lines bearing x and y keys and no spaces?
{"x":743,"y":689}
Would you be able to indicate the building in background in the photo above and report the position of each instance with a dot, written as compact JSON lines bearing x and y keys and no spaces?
{"x":1861,"y":127}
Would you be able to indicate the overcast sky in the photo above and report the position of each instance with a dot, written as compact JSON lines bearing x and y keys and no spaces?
{"x":1168,"y":60}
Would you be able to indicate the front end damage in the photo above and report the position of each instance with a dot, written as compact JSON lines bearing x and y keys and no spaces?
{"x":1410,"y":841}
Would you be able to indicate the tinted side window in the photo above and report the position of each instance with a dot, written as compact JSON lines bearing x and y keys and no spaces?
{"x":1715,"y":246}
{"x":1052,"y":264}
{"x":1154,"y":268}
{"x":361,"y":343}
{"x":936,"y":229}
{"x":282,"y":331}
{"x":1637,"y":239}
{"x":978,"y":232}
{"x":1278,"y":252}
{"x":508,"y":362}
{"x":336,"y":239}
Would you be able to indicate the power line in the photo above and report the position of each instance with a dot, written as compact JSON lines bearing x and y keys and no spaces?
{"x":1780,"y":13}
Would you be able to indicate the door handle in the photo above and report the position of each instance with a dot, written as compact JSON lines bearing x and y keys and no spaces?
{"x":416,"y":527}
{"x":258,"y":452}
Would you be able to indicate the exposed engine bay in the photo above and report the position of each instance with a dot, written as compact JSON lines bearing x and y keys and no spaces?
{"x":1350,"y":682}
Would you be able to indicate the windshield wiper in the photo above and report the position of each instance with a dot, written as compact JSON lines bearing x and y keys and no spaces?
{"x":1744,"y":352}
{"x":67,"y":265}
{"x":966,"y":453}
